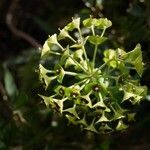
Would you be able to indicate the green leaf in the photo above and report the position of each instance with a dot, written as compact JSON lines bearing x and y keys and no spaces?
{"x":118,"y":113}
{"x":129,"y":96}
{"x":102,"y":119}
{"x":78,"y":55}
{"x":134,"y":93}
{"x":110,"y":58}
{"x":135,"y":58}
{"x":110,"y":54}
{"x":46,"y":99}
{"x":69,"y":62}
{"x":43,"y":75}
{"x":70,"y":27}
{"x":71,"y":90}
{"x":72,"y":111}
{"x":64,"y":56}
{"x":59,"y":102}
{"x":116,"y":94}
{"x":121,"y":126}
{"x":139,"y":65}
{"x":45,"y":49}
{"x":60,"y":73}
{"x":121,"y":54}
{"x":91,"y":127}
{"x":78,"y":45}
{"x":117,"y":116}
{"x":75,"y":24}
{"x":99,"y":104}
{"x":131,"y":116}
{"x":53,"y":39}
{"x":105,"y":128}
{"x":103,"y":23}
{"x":72,"y":119}
{"x":83,"y":63}
{"x":96,"y":40}
{"x":132,"y":55}
{"x":9,"y":83}
{"x":89,"y":22}
{"x":63,"y":34}
{"x":60,"y":90}
{"x":82,"y":121}
{"x":87,"y":98}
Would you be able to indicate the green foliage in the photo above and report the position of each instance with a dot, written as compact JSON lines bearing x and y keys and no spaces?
{"x":9,"y":82}
{"x":91,"y":91}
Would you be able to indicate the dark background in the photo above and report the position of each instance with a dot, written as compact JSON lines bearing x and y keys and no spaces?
{"x":25,"y":123}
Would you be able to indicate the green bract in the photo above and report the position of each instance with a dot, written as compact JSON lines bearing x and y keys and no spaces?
{"x":89,"y":90}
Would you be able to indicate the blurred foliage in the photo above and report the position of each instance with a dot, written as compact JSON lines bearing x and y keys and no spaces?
{"x":24,"y":121}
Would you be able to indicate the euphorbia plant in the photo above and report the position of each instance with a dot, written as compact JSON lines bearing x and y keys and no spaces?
{"x":89,"y":90}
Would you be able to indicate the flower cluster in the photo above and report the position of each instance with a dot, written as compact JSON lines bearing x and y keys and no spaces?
{"x":89,"y":90}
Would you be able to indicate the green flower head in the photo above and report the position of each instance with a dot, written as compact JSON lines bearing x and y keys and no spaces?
{"x":84,"y":87}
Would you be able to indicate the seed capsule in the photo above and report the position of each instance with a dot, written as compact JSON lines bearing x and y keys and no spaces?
{"x":57,"y":71}
{"x":74,"y":95}
{"x":61,"y":91}
{"x":96,"y":88}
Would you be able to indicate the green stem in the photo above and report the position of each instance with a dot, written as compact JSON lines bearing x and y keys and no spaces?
{"x":86,"y":82}
{"x":79,"y":65}
{"x":94,"y":55}
{"x":131,"y":68}
{"x":71,"y":73}
{"x":60,"y":46}
{"x":81,"y":82}
{"x":55,"y":53}
{"x":92,"y":29}
{"x":101,"y":67}
{"x":103,"y":32}
{"x":84,"y":52}
{"x":80,"y":34}
{"x":100,"y":97}
{"x":51,"y":71}
{"x":85,"y":55}
{"x":72,"y":39}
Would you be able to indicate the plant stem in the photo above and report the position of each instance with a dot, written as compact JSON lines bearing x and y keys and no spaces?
{"x":96,"y":46}
{"x":72,"y":39}
{"x":100,"y":97}
{"x":92,"y":29}
{"x":101,"y":67}
{"x":103,"y":32}
{"x":55,"y":53}
{"x":85,"y":55}
{"x":84,"y":84}
{"x":60,"y":46}
{"x":79,"y":65}
{"x":94,"y":55}
{"x":80,"y":34}
{"x":71,"y":73}
{"x":51,"y":71}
